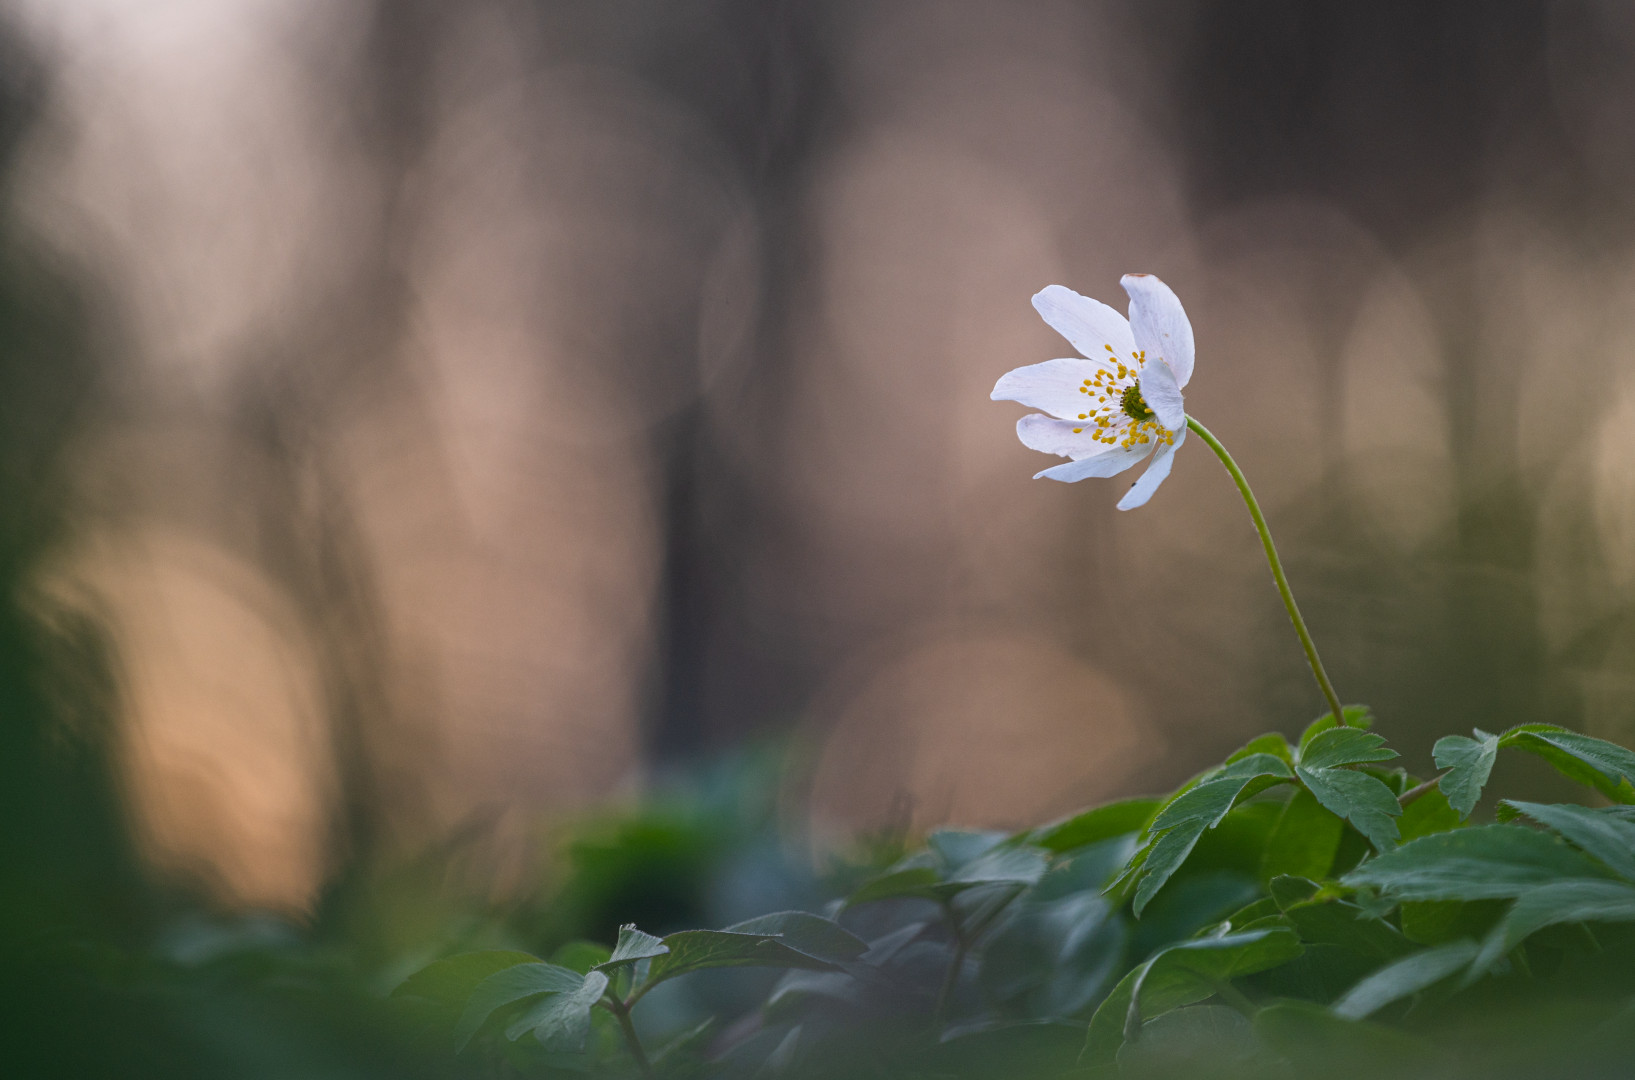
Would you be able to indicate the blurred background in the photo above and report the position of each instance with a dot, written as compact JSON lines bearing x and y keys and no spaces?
{"x":420,"y":421}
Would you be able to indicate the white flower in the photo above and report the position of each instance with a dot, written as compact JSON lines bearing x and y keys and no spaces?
{"x":1109,"y":411}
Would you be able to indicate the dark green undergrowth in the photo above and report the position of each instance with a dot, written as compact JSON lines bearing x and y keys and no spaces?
{"x":1304,"y":908}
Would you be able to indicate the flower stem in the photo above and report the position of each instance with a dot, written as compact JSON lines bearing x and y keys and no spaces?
{"x":1272,"y":560}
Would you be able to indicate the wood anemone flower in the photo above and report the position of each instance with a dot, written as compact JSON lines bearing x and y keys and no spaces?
{"x":1120,"y":401}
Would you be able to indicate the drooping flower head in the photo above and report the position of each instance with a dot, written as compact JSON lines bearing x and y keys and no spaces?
{"x":1120,"y":401}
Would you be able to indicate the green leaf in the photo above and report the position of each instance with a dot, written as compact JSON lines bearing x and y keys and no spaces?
{"x":633,"y":945}
{"x":1438,"y":922}
{"x":1093,"y":826}
{"x":506,"y":987}
{"x":1557,"y":902}
{"x":1483,"y":863}
{"x":1344,"y":746}
{"x":1181,"y":974}
{"x":1469,"y":762}
{"x":450,"y":981}
{"x":1427,"y":815}
{"x":1336,"y":922}
{"x":1409,"y":975}
{"x":1601,"y":835}
{"x":1361,"y":799}
{"x":561,"y":1022}
{"x":1178,"y":826}
{"x":807,"y":945}
{"x":808,"y":934}
{"x":1356,"y":716}
{"x":1303,"y":841}
{"x":1605,"y":766}
{"x":909,"y":878}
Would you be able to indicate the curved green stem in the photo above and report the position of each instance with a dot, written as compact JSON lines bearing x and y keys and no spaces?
{"x":1272,"y":560}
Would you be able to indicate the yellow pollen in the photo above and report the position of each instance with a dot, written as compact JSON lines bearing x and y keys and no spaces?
{"x":1077,"y":430}
{"x":1109,"y":348}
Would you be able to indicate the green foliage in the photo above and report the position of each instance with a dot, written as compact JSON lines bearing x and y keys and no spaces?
{"x":1261,"y":920}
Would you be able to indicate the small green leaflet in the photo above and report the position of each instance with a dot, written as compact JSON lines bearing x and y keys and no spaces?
{"x":790,"y":939}
{"x":633,"y":945}
{"x":1469,"y":762}
{"x":1361,"y":799}
{"x":1488,"y":862}
{"x":1303,"y":841}
{"x":1409,"y":975}
{"x":561,"y":1022}
{"x":1344,"y":746}
{"x":1605,"y":766}
{"x":1178,"y":826}
{"x":1356,"y":716}
{"x":508,"y":986}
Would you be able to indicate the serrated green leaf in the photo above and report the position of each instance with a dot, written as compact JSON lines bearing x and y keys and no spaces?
{"x":1469,"y":763}
{"x":1361,"y":799}
{"x":1093,"y":826}
{"x":1167,"y":854}
{"x":1601,"y":835}
{"x":1487,"y":862}
{"x":633,"y":945}
{"x":1356,"y":716}
{"x":1303,"y":841}
{"x":1197,"y":808}
{"x":1182,"y":974}
{"x":1557,"y":902}
{"x":1207,"y":803}
{"x":1605,"y":766}
{"x":507,"y":987}
{"x":561,"y":1022}
{"x":1397,"y":980}
{"x":450,"y":981}
{"x":1344,"y":746}
{"x":694,"y":950}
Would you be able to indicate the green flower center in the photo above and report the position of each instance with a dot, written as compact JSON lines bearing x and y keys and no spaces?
{"x":1133,"y":404}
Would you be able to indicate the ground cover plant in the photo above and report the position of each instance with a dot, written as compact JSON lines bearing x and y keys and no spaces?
{"x":1305,"y":907}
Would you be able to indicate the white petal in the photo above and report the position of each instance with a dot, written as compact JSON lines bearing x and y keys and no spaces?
{"x":1052,"y":386}
{"x":1052,"y":436}
{"x":1160,"y":323}
{"x":1089,"y":324}
{"x":1110,"y":463}
{"x":1162,"y":461}
{"x":1162,"y":393}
